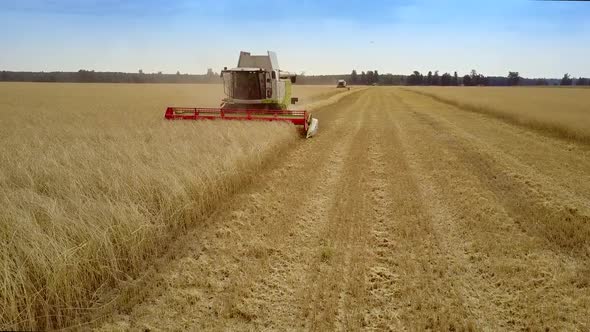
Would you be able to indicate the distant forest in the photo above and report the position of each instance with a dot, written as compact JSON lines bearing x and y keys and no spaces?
{"x":90,"y":76}
{"x":434,"y":78}
{"x":363,"y":78}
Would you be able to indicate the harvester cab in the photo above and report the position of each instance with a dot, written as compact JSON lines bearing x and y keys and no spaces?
{"x":258,"y":82}
{"x":255,"y":90}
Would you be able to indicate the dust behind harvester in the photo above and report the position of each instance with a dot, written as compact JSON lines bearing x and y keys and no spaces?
{"x":255,"y":90}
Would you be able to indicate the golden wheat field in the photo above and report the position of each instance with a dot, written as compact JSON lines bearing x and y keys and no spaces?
{"x":93,"y":182}
{"x":405,"y":212}
{"x":561,"y":111}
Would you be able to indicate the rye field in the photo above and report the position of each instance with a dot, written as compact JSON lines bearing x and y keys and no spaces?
{"x":93,"y":183}
{"x":412,"y":209}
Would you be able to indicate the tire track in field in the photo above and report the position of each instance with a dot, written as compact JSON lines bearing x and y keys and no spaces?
{"x":549,"y":172}
{"x":336,"y":271}
{"x":494,"y":219}
{"x":288,"y":273}
{"x":411,"y":282}
{"x":537,"y":205}
{"x":558,"y":163}
{"x":473,"y":293}
{"x":559,"y":221}
{"x":384,"y":267}
{"x":351,"y":281}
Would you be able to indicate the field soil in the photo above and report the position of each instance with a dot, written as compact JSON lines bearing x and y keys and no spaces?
{"x":403,"y":213}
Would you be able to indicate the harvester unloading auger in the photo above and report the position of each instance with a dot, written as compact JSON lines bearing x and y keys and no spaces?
{"x":256,"y":90}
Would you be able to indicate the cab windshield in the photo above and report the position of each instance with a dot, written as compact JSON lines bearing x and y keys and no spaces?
{"x":244,"y":84}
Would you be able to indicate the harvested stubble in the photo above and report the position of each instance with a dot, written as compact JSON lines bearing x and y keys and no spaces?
{"x":93,"y":183}
{"x":562,"y":112}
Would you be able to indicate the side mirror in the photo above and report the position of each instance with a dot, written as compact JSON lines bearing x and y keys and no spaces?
{"x":293,"y":79}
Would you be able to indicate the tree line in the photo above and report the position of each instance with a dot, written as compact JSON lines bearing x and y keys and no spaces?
{"x":90,"y":76}
{"x":370,"y":77}
{"x":446,"y":79}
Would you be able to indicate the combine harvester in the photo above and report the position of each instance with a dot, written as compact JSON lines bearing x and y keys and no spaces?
{"x":256,"y":90}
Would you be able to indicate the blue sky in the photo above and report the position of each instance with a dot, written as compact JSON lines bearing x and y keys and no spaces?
{"x":536,"y":38}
